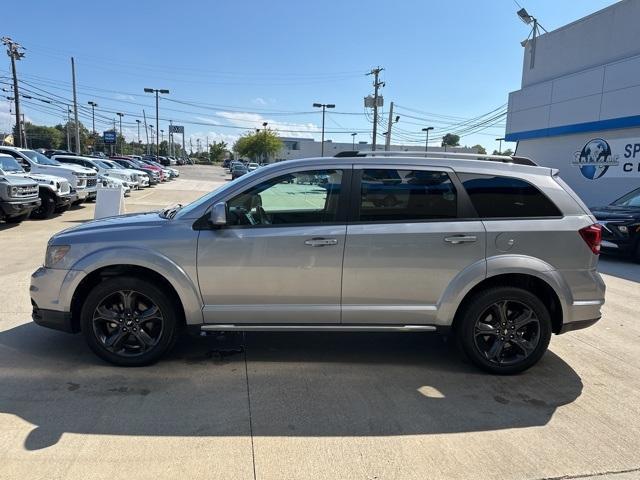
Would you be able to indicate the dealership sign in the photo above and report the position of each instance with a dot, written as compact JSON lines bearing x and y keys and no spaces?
{"x":618,"y":158}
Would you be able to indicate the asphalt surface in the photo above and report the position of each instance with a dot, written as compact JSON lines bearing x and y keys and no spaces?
{"x":309,"y":406}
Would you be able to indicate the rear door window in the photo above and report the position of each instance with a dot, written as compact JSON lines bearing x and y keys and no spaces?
{"x":406,"y":195}
{"x":506,"y":197}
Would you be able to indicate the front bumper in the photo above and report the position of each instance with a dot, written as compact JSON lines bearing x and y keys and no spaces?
{"x":53,"y":319}
{"x":65,"y":199}
{"x":51,"y":292}
{"x":14,"y":208}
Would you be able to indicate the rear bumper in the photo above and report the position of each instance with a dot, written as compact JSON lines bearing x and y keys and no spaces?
{"x":588,"y":292}
{"x":579,"y":325}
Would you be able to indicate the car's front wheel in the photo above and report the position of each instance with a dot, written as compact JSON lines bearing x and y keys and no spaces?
{"x":129,"y":321}
{"x":504,"y":330}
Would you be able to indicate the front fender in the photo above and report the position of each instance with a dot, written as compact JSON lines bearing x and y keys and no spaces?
{"x":179,"y":279}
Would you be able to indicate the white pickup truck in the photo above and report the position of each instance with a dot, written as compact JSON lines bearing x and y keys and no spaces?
{"x":83,"y":180}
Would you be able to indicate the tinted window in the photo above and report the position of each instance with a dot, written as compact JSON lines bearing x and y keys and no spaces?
{"x":406,"y":195}
{"x":505,"y":197}
{"x":309,"y":197}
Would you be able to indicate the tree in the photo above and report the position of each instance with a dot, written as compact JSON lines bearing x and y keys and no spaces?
{"x":506,"y":152}
{"x":39,"y":136}
{"x":217,"y":151}
{"x":480,"y":149}
{"x":450,"y":140}
{"x":258,"y":145}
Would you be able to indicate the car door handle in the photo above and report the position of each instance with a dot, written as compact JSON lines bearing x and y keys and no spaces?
{"x":456,"y":239}
{"x":321,"y":242}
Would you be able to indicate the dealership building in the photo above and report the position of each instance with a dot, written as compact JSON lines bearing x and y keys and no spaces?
{"x":579,"y":106}
{"x":294,"y":147}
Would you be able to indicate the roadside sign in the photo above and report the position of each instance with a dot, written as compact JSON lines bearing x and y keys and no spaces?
{"x":109,"y":137}
{"x":176,"y":128}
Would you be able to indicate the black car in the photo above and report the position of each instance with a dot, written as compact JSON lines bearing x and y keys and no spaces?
{"x":154,"y":176}
{"x":620,"y":223}
{"x":238,"y":170}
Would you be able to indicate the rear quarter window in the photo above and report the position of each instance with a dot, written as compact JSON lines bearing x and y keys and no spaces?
{"x":506,"y":197}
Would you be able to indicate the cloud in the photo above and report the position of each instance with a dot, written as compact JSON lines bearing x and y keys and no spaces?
{"x":122,"y":96}
{"x":251,"y":121}
{"x":259,"y":101}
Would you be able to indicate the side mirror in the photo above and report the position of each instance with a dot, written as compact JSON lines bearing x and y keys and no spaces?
{"x":218,"y":215}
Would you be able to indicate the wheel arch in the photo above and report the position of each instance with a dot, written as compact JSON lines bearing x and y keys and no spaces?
{"x":527,"y":281}
{"x":142,"y":263}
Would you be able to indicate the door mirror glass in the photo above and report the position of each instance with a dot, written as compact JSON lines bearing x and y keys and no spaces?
{"x":218,"y":215}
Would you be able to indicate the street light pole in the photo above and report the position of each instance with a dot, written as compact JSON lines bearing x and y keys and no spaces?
{"x":324,"y":106}
{"x":157,"y":91}
{"x":121,"y":144}
{"x":93,"y":115}
{"x":426,"y":142}
{"x":138,"y":122}
{"x":500,"y":147}
{"x":353,"y":141}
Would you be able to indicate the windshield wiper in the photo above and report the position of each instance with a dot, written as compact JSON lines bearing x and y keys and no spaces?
{"x":171,"y":211}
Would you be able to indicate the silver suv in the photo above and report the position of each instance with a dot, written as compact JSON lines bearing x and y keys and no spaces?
{"x":495,"y":250}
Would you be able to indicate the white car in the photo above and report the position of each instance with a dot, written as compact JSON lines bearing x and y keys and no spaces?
{"x":99,"y":166}
{"x":115,"y":182}
{"x":82,"y":180}
{"x":141,"y":177}
{"x":253,"y":166}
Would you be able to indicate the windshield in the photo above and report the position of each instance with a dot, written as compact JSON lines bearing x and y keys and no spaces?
{"x":631,"y":199}
{"x":9,"y":164}
{"x":39,"y":158}
{"x":102,"y":164}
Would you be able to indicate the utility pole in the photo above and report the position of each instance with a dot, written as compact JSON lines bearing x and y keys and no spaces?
{"x":376,"y":85}
{"x":157,"y":91}
{"x":75,"y":104}
{"x":387,"y":143}
{"x":15,"y":52}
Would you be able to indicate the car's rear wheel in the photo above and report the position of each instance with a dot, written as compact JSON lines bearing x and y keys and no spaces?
{"x":504,"y":330}
{"x":129,"y":321}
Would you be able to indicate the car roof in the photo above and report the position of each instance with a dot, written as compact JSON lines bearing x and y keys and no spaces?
{"x":453,"y":163}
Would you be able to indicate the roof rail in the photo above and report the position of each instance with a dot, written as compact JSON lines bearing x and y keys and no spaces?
{"x":452,"y":155}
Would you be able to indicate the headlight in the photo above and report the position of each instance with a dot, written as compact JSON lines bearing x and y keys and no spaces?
{"x":623,"y":229}
{"x":55,"y":253}
{"x":13,"y":191}
{"x":73,"y":172}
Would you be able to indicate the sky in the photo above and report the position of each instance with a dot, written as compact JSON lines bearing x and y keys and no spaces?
{"x":232,"y":65}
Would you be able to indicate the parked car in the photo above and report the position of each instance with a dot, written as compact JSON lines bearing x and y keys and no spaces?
{"x":620,"y":222}
{"x":141,"y":177}
{"x":54,"y":192}
{"x":253,"y":166}
{"x":144,"y":164}
{"x":169,"y":173}
{"x":83,"y":180}
{"x":105,"y":172}
{"x":226,"y":162}
{"x":499,"y":253}
{"x":238,"y":170}
{"x":154,"y":174}
{"x":18,"y":197}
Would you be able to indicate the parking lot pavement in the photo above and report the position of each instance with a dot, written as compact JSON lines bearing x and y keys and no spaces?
{"x":294,"y":406}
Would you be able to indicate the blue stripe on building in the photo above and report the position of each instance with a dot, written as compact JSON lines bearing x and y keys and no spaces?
{"x":609,"y":124}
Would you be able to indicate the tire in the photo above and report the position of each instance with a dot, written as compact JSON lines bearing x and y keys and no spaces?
{"x":63,"y":209}
{"x":496,"y":332}
{"x":117,"y":337}
{"x":17,"y":218}
{"x":47,"y":207}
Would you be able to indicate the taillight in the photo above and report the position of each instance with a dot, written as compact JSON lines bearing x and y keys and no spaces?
{"x":592,"y":235}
